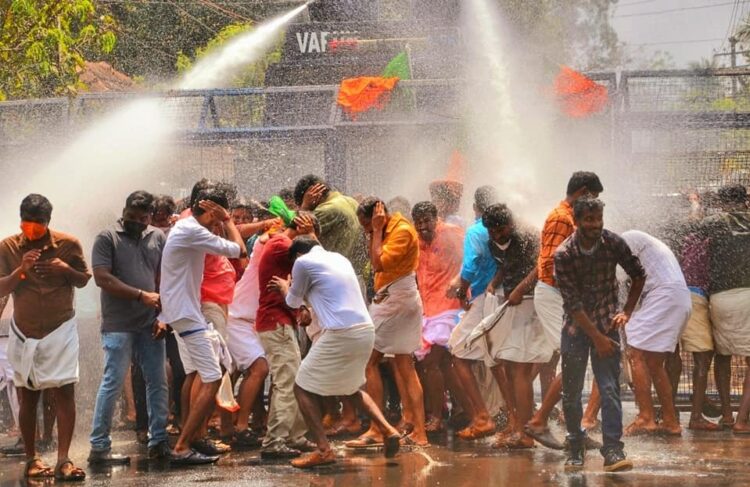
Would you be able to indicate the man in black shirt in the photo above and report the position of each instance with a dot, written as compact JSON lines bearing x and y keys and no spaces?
{"x":516,"y":342}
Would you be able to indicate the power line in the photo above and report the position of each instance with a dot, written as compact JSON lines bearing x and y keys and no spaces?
{"x":691,"y":41}
{"x":681,"y":9}
{"x":730,"y":27}
{"x":638,"y":2}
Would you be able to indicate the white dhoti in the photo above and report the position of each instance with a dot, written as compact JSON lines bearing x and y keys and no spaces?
{"x":436,"y":330}
{"x":46,"y":363}
{"x":243,"y":343}
{"x":513,"y":333}
{"x":6,"y":380}
{"x":698,"y":335}
{"x":335,"y":365}
{"x":657,"y":324}
{"x":397,"y":317}
{"x":730,"y":315}
{"x":481,"y":307}
{"x":548,"y":303}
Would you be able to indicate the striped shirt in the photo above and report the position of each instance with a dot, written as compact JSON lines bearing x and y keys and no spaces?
{"x":557,"y":227}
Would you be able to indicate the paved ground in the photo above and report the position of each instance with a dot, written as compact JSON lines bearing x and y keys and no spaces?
{"x":692,"y":460}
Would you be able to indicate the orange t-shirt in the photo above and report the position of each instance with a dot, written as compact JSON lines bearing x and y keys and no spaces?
{"x":400,"y":254}
{"x":440,"y":262}
{"x":558,"y":226}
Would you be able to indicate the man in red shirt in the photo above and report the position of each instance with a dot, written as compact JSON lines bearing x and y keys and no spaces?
{"x":275,"y":324}
{"x":440,"y":257}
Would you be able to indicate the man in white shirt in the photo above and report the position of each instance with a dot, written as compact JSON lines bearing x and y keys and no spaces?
{"x":653,"y":331}
{"x":181,"y":272}
{"x":335,"y":365}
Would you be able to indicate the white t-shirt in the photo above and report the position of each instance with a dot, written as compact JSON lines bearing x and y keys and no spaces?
{"x":247,"y":291}
{"x":327,"y":281}
{"x":660,"y":264}
{"x":182,"y":269}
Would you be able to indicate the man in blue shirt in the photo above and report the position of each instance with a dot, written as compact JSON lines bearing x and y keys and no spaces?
{"x":470,"y":286}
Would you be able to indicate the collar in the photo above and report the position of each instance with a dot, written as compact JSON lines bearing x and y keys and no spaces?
{"x":577,"y":243}
{"x":48,"y":241}
{"x":119,"y":228}
{"x":393,"y":221}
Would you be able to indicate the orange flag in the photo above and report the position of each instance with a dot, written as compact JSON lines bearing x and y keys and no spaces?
{"x":579,"y":96}
{"x":357,"y":95}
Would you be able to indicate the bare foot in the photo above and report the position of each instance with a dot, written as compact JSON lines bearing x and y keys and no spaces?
{"x":537,"y":426}
{"x":418,"y":440}
{"x":741,"y":428}
{"x":589,"y":424}
{"x":703,"y":424}
{"x":640,"y":427}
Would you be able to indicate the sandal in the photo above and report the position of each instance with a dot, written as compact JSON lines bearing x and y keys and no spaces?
{"x":363,"y":442}
{"x":545,"y":438}
{"x":474,"y":433}
{"x":42,"y":472}
{"x":75,"y":474}
{"x":314,"y":459}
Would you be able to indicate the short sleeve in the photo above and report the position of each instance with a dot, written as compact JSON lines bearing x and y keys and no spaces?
{"x":396,"y":248}
{"x":6,"y":267}
{"x":75,"y":258}
{"x":103,"y":252}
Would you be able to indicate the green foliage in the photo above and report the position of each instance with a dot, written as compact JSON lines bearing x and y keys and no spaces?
{"x":43,"y":45}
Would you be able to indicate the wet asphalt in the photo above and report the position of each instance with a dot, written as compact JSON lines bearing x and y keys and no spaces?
{"x":695,"y":459}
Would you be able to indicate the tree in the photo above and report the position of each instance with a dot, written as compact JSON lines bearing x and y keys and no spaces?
{"x":43,"y":45}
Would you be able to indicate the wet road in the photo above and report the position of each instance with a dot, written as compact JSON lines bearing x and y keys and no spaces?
{"x":704,"y":459}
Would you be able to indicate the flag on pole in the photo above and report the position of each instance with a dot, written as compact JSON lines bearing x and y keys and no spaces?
{"x":358,"y":95}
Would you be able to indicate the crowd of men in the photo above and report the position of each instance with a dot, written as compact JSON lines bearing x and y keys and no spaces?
{"x":356,"y":313}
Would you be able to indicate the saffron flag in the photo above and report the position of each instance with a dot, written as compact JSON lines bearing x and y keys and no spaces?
{"x":357,"y":95}
{"x":579,"y":96}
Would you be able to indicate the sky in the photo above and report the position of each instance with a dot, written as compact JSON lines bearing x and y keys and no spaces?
{"x":690,"y":30}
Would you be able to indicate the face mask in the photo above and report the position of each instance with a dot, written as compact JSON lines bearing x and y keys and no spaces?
{"x":133,"y":228}
{"x":33,"y":230}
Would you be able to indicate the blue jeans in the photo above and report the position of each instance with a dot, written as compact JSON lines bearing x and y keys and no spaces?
{"x":575,"y":352}
{"x":150,"y":355}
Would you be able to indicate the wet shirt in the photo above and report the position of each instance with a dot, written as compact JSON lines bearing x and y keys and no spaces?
{"x":42,"y":304}
{"x":135,"y":262}
{"x":558,"y":226}
{"x":478,"y":267}
{"x":587,"y":280}
{"x":339,"y":228}
{"x":729,"y":250}
{"x":182,"y":269}
{"x":439,"y":262}
{"x":219,"y":279}
{"x":400,"y":251}
{"x":518,"y":259}
{"x":694,"y":262}
{"x":274,"y":262}
{"x":327,"y":281}
{"x":660,"y":264}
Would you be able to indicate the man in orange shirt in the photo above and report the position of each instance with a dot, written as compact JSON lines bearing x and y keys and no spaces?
{"x":548,"y":301}
{"x":440,"y":257}
{"x":396,"y":312}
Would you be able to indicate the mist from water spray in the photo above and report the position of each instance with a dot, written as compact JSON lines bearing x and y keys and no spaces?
{"x":119,"y":152}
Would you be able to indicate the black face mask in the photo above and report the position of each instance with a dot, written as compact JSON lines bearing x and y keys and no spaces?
{"x":133,"y":228}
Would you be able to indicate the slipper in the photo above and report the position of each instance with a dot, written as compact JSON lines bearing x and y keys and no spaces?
{"x":76,"y":474}
{"x":474,"y":433}
{"x":392,"y":444}
{"x":364,"y":442}
{"x":545,"y":438}
{"x":192,"y":457}
{"x":43,"y":472}
{"x":314,"y":459}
